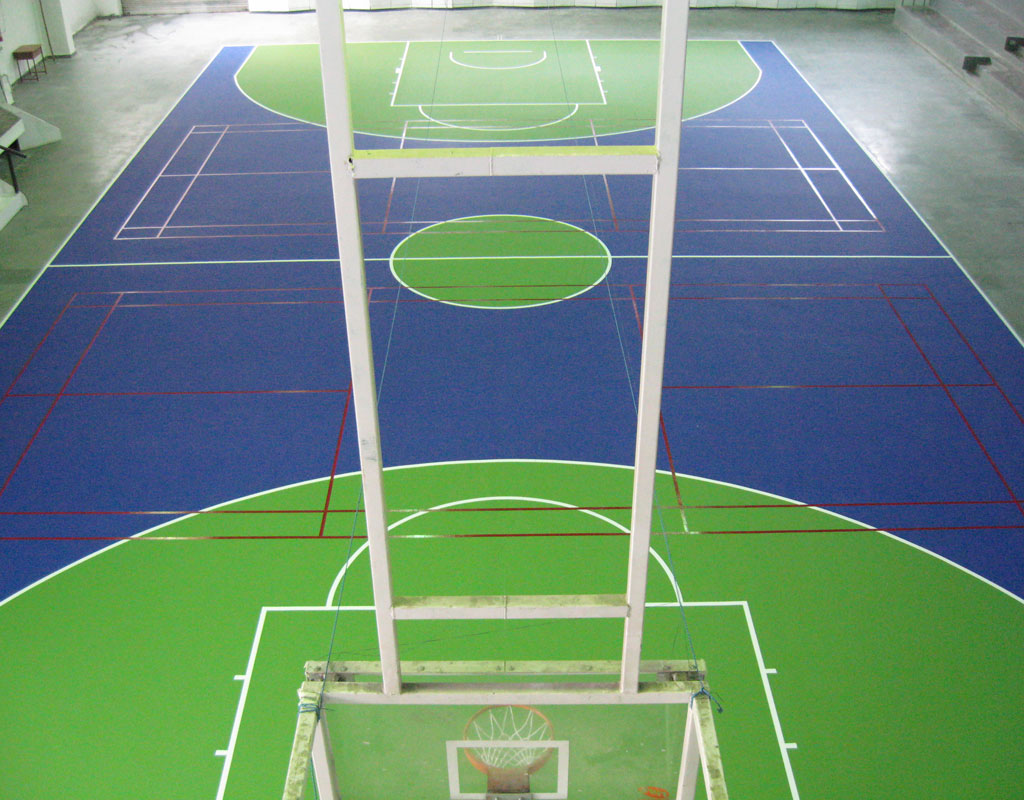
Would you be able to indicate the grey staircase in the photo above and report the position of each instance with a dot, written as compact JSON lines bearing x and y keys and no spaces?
{"x":980,"y":40}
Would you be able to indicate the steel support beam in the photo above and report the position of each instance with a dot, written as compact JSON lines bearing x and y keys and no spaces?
{"x":357,"y":327}
{"x":672,"y":65}
{"x":458,"y":162}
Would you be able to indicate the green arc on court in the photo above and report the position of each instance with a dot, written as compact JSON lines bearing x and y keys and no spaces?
{"x":881,"y":655}
{"x":500,"y":261}
{"x":482,"y":91}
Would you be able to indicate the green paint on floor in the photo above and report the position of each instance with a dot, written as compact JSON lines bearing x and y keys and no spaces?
{"x":896,"y":671}
{"x":500,"y":261}
{"x":497,"y":91}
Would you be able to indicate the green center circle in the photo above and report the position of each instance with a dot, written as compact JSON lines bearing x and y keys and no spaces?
{"x":500,"y":261}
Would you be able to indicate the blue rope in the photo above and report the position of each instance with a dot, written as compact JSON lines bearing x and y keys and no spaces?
{"x":682,"y":614}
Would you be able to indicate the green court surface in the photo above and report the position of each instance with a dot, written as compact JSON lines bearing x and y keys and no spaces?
{"x":497,"y":90}
{"x":500,"y":261}
{"x":855,"y":657}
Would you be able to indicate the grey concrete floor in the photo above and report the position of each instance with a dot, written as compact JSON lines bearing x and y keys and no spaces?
{"x":955,"y":157}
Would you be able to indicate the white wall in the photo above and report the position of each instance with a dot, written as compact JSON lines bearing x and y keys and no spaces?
{"x":20,"y":23}
{"x":851,"y":5}
{"x":81,"y":12}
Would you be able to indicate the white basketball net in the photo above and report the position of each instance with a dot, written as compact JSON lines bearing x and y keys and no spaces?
{"x":510,"y":724}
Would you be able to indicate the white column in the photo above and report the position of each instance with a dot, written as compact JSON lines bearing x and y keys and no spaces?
{"x":357,"y":326}
{"x":652,"y":364}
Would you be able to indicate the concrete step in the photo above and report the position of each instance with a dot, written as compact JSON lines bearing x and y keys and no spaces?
{"x":1012,"y":8}
{"x":1002,"y":82}
{"x":985,"y":22}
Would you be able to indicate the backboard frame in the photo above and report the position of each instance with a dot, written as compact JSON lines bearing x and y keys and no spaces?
{"x":533,"y":683}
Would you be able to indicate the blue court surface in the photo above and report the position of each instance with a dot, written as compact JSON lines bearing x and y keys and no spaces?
{"x":186,"y":347}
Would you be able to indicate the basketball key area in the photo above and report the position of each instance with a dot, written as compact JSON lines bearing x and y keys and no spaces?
{"x":832,"y":379}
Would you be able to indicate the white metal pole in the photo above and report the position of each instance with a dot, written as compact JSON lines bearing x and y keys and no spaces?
{"x":690,"y":761}
{"x":357,"y":326}
{"x":323,"y":761}
{"x":652,"y":362}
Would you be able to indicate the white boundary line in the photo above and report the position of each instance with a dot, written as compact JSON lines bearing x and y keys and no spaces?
{"x":784,"y":746}
{"x":597,"y":74}
{"x":754,"y":85}
{"x":341,"y":574}
{"x":1018,"y":336}
{"x":453,"y":125}
{"x":109,"y":186}
{"x":400,"y":71}
{"x":807,"y":177}
{"x":789,"y":257}
{"x":541,"y":60}
{"x":152,"y":183}
{"x":426,"y":464}
{"x":191,"y":183}
{"x":403,"y":284}
{"x":842,"y":172}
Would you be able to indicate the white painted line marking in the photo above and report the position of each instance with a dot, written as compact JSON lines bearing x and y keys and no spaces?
{"x":597,"y":75}
{"x":398,"y":71}
{"x":543,"y":58}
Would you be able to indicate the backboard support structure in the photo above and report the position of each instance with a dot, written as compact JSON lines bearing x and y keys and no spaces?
{"x":584,"y":732}
{"x":627,"y":683}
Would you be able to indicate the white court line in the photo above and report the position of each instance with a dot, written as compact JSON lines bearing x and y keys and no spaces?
{"x":771,"y":703}
{"x":638,"y":256}
{"x":153,"y":183}
{"x":597,"y":74}
{"x":489,"y":128}
{"x":807,"y":177}
{"x":504,"y":104}
{"x":935,"y":237}
{"x":784,"y":746}
{"x":191,"y":183}
{"x":496,"y":258}
{"x":330,"y":603}
{"x":400,"y":71}
{"x":842,"y":172}
{"x":541,"y":60}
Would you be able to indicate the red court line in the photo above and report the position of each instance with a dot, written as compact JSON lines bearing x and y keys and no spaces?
{"x":834,"y":386}
{"x":56,"y":399}
{"x":242,"y":290}
{"x":611,"y":204}
{"x":671,"y":462}
{"x":956,"y":405}
{"x":187,"y":393}
{"x":636,"y":310}
{"x":779,"y":506}
{"x":515,"y":298}
{"x":560,"y":534}
{"x":239,"y":224}
{"x":229,"y":303}
{"x":387,"y":208}
{"x":38,"y":347}
{"x":334,"y":464}
{"x":974,"y":352}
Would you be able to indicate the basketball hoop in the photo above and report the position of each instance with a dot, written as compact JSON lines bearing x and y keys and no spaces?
{"x":507,"y":754}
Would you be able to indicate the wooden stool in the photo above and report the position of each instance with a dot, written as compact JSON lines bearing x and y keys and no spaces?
{"x":29,"y":53}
